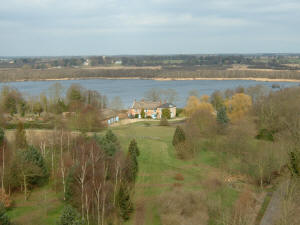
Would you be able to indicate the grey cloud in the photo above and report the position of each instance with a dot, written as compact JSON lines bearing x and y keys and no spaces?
{"x":132,"y":26}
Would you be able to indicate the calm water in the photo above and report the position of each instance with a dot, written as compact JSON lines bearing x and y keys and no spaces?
{"x":129,"y":89}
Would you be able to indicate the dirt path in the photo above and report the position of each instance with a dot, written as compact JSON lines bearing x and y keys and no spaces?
{"x":274,"y":208}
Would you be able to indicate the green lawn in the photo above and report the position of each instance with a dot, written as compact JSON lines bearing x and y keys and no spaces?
{"x":42,"y":208}
{"x":158,"y":165}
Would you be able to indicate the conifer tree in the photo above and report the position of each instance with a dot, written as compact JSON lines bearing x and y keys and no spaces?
{"x":132,"y":162}
{"x":179,"y":136}
{"x":222,"y":117}
{"x":124,"y":202}
{"x":70,"y":217}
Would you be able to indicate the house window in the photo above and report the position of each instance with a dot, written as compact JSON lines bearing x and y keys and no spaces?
{"x":146,"y":110}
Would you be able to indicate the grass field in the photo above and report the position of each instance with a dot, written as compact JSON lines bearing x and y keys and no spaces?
{"x":159,"y":169}
{"x":42,"y":208}
{"x":159,"y":166}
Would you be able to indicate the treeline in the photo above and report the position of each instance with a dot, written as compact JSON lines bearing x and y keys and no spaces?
{"x":179,"y":72}
{"x":254,"y":132}
{"x":256,"y":61}
{"x":79,"y":108}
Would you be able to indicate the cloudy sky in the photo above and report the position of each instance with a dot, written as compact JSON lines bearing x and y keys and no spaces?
{"x":110,"y":27}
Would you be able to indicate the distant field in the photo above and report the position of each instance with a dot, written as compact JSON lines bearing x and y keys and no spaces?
{"x":154,"y":72}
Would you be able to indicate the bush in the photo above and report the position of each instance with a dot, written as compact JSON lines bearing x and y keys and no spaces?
{"x":136,"y":116}
{"x":70,"y":217}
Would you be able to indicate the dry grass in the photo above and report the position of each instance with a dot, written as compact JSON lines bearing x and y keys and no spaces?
{"x":180,"y":207}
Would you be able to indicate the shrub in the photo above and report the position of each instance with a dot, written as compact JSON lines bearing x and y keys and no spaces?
{"x":70,"y":217}
{"x":136,"y":116}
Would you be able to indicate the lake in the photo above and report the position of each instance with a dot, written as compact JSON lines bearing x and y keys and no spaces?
{"x":130,"y":89}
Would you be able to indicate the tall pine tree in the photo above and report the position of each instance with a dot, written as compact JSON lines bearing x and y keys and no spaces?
{"x":124,"y":202}
{"x":132,"y":162}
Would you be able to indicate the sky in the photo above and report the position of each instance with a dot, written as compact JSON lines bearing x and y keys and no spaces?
{"x":118,"y":27}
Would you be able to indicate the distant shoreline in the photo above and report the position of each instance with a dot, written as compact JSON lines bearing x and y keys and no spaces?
{"x":162,"y":79}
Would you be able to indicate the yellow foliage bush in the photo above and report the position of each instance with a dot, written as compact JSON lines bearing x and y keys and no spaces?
{"x":194,"y":104}
{"x":238,"y":106}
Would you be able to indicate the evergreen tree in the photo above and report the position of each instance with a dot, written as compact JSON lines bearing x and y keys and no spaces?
{"x":109,"y":143}
{"x":70,"y":183}
{"x":132,"y":162}
{"x":133,"y":148}
{"x":70,"y":217}
{"x":179,"y":136}
{"x":222,"y":117}
{"x":32,"y":155}
{"x":4,"y":220}
{"x":124,"y":203}
{"x":21,"y":136}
